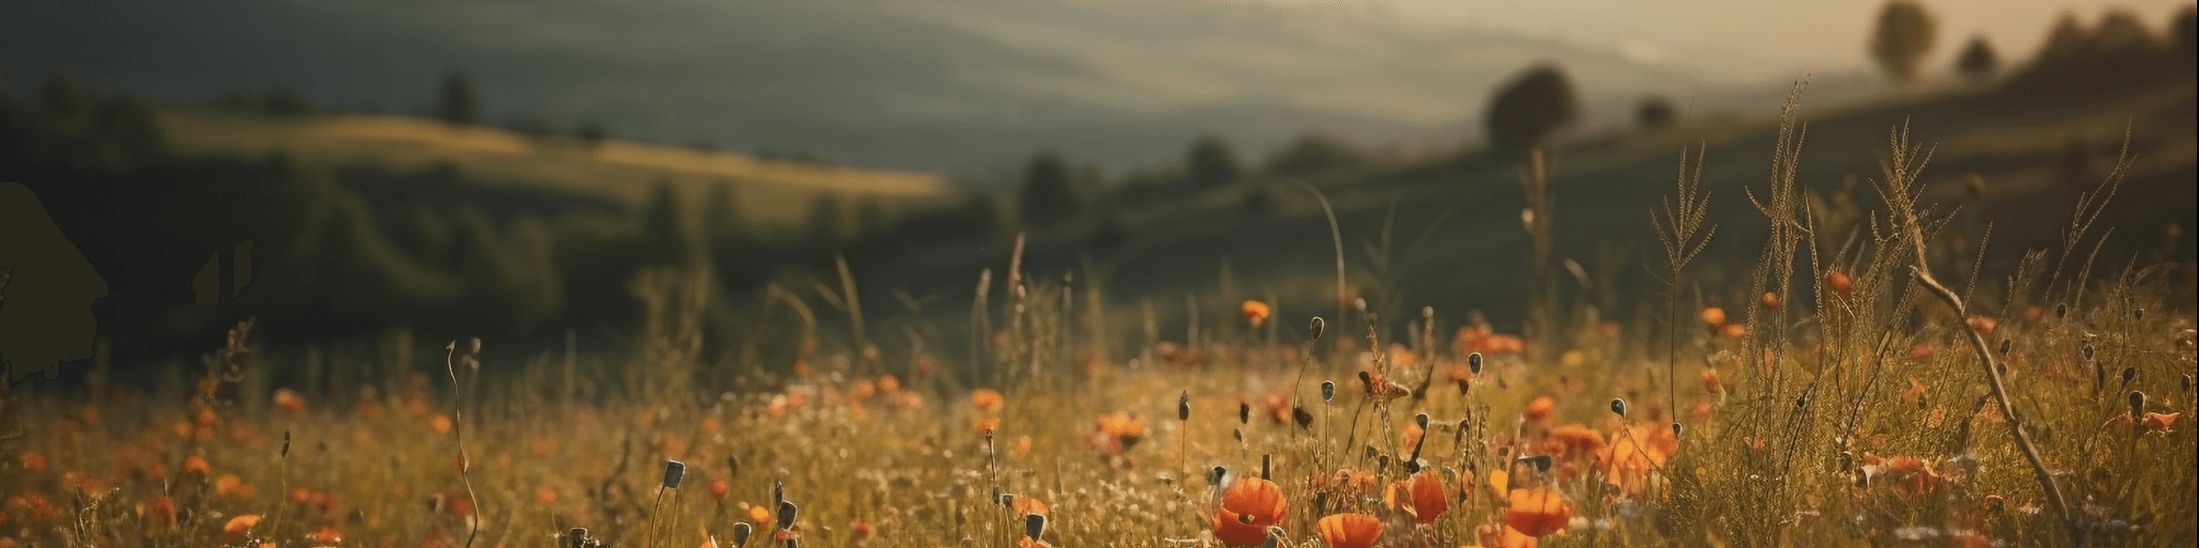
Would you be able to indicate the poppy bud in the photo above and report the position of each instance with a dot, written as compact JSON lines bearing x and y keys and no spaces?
{"x":2006,"y":345}
{"x":1618,"y":405}
{"x":2087,"y":351}
{"x":1473,"y":363}
{"x":1315,"y":327}
{"x":1676,"y":429}
{"x":2138,"y":314}
{"x":2129,"y":374}
{"x":2061,"y":310}
{"x":1540,"y":462}
{"x":1301,"y":416}
{"x":1421,"y":420}
{"x":1034,"y":525}
{"x":1183,"y":406}
{"x":1244,"y":413}
{"x":1216,"y":475}
{"x":740,"y":533}
{"x":1328,"y":391}
{"x":673,"y":472}
{"x":787,"y":513}
{"x":2137,"y":404}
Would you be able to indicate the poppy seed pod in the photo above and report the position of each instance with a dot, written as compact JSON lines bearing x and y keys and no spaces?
{"x":1218,"y":474}
{"x":2088,"y":351}
{"x":674,"y":471}
{"x":2061,"y":310}
{"x":1618,"y":406}
{"x":1315,"y":327}
{"x":1007,"y":500}
{"x":787,"y":513}
{"x":2137,"y":405}
{"x":576,"y":537}
{"x":1034,"y":526}
{"x":1422,"y":420}
{"x":2006,"y":345}
{"x":1244,"y":413}
{"x":1676,"y":429}
{"x":1473,"y":363}
{"x":1183,"y":406}
{"x":2129,"y":374}
{"x":1328,"y":391}
{"x":741,"y":531}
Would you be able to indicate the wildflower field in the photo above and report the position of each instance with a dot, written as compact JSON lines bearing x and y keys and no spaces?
{"x":1866,"y":387}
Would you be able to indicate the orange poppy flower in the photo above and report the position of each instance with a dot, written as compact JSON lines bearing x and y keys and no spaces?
{"x":1256,"y":312}
{"x":1574,"y":441}
{"x":1770,"y":300}
{"x":1500,"y":536}
{"x":1736,"y":331}
{"x":986,"y":425}
{"x":1116,"y":432}
{"x":1421,"y":495}
{"x":1984,"y":324}
{"x":1714,"y":316}
{"x":289,"y":400}
{"x":547,"y":495}
{"x":1541,"y":409}
{"x":2162,"y":422}
{"x":441,"y":423}
{"x":987,"y":399}
{"x":1030,"y":505}
{"x":759,"y":515}
{"x":1248,"y":507}
{"x":241,"y":525}
{"x":1840,"y":282}
{"x":719,"y":488}
{"x":1537,"y":511}
{"x":1349,"y":530}
{"x":1360,"y":481}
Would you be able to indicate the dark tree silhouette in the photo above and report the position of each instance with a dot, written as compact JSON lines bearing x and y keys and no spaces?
{"x":1049,"y":193}
{"x":1212,"y":162}
{"x":458,"y":102}
{"x":2123,"y":33}
{"x":1905,"y":33}
{"x":1527,"y":109}
{"x":666,"y":237}
{"x":1978,"y":63}
{"x":1313,"y":153}
{"x":1655,"y":113}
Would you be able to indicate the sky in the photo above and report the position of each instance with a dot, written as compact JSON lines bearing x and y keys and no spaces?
{"x":973,"y":87}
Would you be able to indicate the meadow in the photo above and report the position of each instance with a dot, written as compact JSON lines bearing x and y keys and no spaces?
{"x":1865,"y":386}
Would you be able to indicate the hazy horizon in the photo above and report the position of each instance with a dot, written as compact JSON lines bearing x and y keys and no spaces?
{"x":973,"y":88}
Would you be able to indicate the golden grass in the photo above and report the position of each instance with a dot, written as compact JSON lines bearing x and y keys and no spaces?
{"x":1859,"y":403}
{"x":620,"y":170}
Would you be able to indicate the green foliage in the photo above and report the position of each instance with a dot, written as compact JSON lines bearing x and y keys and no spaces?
{"x":458,"y":101}
{"x":1211,"y":162}
{"x":1905,"y":33}
{"x":667,"y":236}
{"x":1529,"y":107}
{"x":1978,"y":63}
{"x":1655,"y":113}
{"x":1315,"y":153}
{"x":1049,"y":192}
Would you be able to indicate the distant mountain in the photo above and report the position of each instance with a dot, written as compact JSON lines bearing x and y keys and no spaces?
{"x":968,"y":88}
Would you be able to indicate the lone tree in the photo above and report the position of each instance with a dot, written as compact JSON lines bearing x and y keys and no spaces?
{"x":1211,"y":162}
{"x":1905,"y":33}
{"x":459,"y":102}
{"x":1049,"y":192}
{"x":1978,"y":62}
{"x":2122,"y":32}
{"x":1529,"y":108}
{"x":1655,"y":113}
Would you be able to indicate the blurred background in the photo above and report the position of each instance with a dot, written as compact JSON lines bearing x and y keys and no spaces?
{"x":361,"y":173}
